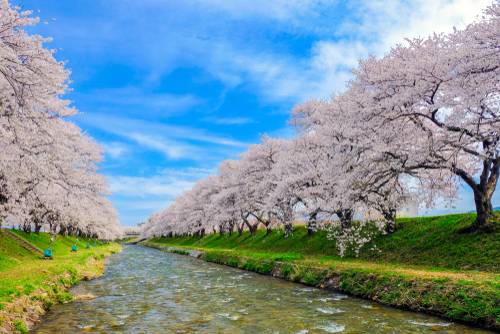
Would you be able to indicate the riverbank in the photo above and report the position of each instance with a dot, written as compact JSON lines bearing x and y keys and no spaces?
{"x":29,"y":285}
{"x":425,"y":266}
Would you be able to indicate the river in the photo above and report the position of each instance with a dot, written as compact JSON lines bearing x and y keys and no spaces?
{"x":148,"y":291}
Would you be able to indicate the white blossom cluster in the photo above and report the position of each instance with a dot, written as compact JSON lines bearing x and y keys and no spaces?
{"x":48,"y":167}
{"x":350,"y":240}
{"x":409,"y":127}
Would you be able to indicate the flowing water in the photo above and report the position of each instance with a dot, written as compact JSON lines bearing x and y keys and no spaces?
{"x":148,"y":291}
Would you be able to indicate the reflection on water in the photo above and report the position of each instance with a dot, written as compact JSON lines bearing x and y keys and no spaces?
{"x":148,"y":291}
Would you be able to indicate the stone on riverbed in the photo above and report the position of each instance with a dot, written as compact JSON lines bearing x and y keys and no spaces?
{"x":84,"y":297}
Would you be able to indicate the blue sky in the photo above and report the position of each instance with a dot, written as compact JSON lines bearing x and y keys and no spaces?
{"x":171,"y":88}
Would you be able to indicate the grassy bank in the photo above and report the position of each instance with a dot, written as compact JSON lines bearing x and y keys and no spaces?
{"x":30,"y":285}
{"x":426,"y":265}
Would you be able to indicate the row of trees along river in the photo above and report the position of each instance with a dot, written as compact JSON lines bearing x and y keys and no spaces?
{"x":411,"y":127}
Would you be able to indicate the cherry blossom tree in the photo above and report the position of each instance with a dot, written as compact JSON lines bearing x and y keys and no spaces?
{"x":48,"y":167}
{"x":409,"y":128}
{"x":228,"y":200}
{"x":339,"y":176}
{"x":435,"y":107}
{"x":255,"y":169}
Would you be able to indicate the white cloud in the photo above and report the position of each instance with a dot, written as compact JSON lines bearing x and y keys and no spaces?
{"x":173,"y":142}
{"x":146,"y":102}
{"x":171,"y":149}
{"x":233,"y":40}
{"x":282,"y":77}
{"x":331,"y":55}
{"x":385,"y":23}
{"x":159,"y":185}
{"x":137,"y":196}
{"x":372,"y":27}
{"x":125,"y":126}
{"x":229,"y":120}
{"x":167,"y":184}
{"x":136,"y":96}
{"x":115,"y":149}
{"x":279,"y":10}
{"x":147,"y":205}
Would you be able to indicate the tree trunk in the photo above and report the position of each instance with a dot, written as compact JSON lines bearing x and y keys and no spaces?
{"x":312,"y":224}
{"x":390,"y":217}
{"x":62,"y":230}
{"x":267,"y":225}
{"x":253,"y":228}
{"x":288,"y":227}
{"x":484,"y":211}
{"x":269,"y":229}
{"x":27,"y":227}
{"x":240,"y":228}
{"x":483,"y":192}
{"x":345,"y":217}
{"x":265,"y":222}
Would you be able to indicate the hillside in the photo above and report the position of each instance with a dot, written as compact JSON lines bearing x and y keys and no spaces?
{"x":422,"y":241}
{"x":29,"y":285}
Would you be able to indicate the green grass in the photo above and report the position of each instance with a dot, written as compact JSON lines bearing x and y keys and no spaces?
{"x":437,"y":241}
{"x":129,"y":239}
{"x":421,"y":241}
{"x":426,"y":265}
{"x":24,"y":274}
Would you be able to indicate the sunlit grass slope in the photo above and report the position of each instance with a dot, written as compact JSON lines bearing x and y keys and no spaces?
{"x":421,"y":241}
{"x":22,"y":271}
{"x":29,"y":284}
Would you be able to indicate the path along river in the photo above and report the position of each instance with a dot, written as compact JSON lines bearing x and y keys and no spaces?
{"x":148,"y":291}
